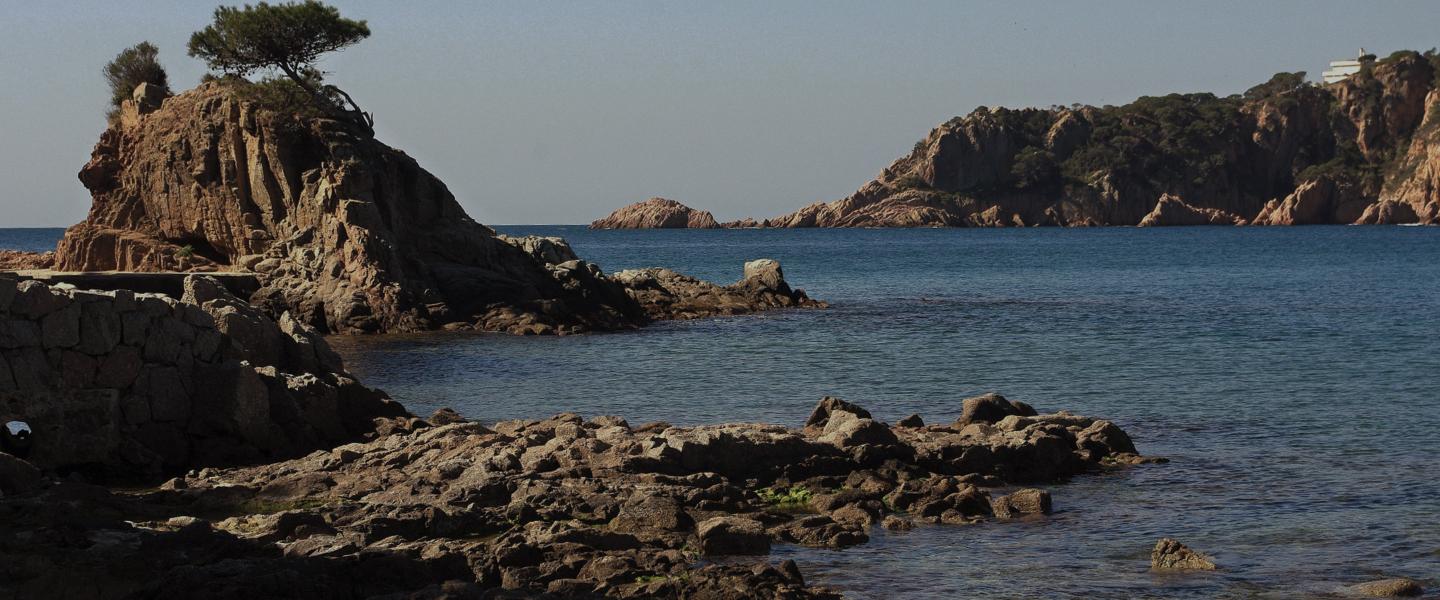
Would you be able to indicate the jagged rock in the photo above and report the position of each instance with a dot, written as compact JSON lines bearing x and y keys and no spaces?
{"x":1172,"y":555}
{"x":562,"y":503}
{"x":15,"y":260}
{"x":665,"y":294}
{"x":351,"y":235}
{"x":1171,"y":211}
{"x":1399,"y":587}
{"x":830,"y":406}
{"x":657,"y":213}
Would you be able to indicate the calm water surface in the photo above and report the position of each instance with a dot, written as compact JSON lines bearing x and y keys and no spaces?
{"x":1292,"y":376}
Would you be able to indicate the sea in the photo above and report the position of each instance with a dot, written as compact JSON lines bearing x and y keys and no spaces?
{"x":1291,"y":376}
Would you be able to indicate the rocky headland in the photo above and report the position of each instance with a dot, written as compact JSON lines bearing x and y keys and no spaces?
{"x":344,"y":233}
{"x":1365,"y":150}
{"x":560,"y":507}
{"x":657,"y":213}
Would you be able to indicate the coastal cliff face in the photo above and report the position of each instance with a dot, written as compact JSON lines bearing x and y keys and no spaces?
{"x":1364,"y":150}
{"x":1284,"y":153}
{"x":657,"y":213}
{"x":345,"y":233}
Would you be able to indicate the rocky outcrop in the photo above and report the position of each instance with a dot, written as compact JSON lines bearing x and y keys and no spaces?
{"x":563,"y":505}
{"x":1171,"y":555}
{"x":1262,"y":156}
{"x":124,"y":384}
{"x":346,"y":233}
{"x":1171,"y":211}
{"x":15,"y":260}
{"x":343,"y":232}
{"x":665,"y":294}
{"x":657,"y":213}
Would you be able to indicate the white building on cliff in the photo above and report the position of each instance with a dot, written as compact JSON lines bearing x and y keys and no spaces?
{"x":1341,"y":69}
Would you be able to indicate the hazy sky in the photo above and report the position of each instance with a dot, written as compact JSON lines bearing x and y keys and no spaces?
{"x":558,"y":112}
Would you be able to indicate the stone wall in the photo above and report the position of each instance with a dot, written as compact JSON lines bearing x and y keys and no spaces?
{"x":130,"y":384}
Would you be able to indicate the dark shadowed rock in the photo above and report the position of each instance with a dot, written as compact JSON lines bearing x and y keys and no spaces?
{"x":828,"y":407}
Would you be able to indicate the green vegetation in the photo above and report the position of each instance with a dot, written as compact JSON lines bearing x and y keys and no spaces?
{"x":133,"y":66}
{"x":794,"y":498}
{"x":289,"y":38}
{"x":185,"y":251}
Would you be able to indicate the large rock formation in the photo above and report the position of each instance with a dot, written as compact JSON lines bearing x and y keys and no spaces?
{"x":657,"y":213}
{"x":1364,"y":150}
{"x":1171,"y":211}
{"x":125,"y":384}
{"x":568,"y":506}
{"x":346,"y":233}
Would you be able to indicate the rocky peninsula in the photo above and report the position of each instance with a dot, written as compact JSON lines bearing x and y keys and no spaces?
{"x":344,"y":233}
{"x":1364,"y":150}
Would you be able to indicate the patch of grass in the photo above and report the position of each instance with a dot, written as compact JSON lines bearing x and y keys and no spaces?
{"x":260,"y":506}
{"x":794,"y":498}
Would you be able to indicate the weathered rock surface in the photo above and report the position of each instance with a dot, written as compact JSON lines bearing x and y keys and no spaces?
{"x":1171,"y":211}
{"x":121,"y":383}
{"x":343,"y":232}
{"x":1172,"y":555}
{"x":657,"y":213}
{"x":562,"y":505}
{"x":15,"y":260}
{"x":665,"y":294}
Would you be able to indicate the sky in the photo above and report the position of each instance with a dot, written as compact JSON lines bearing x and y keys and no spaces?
{"x":559,"y":112}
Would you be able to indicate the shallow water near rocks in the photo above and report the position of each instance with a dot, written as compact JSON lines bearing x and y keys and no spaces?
{"x":1292,"y":375}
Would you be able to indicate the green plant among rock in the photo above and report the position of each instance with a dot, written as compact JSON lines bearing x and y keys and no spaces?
{"x":793,"y":498}
{"x":288,"y":38}
{"x":131,"y":67}
{"x":185,"y":251}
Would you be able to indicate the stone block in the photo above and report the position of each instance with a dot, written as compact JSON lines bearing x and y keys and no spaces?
{"x":61,"y":328}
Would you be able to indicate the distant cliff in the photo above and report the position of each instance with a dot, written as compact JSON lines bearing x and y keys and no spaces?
{"x":1286,"y":152}
{"x":657,"y":213}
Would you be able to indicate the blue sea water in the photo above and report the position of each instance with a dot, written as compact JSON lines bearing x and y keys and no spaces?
{"x":1292,"y":376}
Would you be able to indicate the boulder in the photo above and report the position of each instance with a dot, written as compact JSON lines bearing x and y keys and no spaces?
{"x":991,"y":408}
{"x":830,"y":406}
{"x":1399,"y":587}
{"x":1169,"y":554}
{"x":729,"y":535}
{"x":17,"y":476}
{"x":1029,"y":501}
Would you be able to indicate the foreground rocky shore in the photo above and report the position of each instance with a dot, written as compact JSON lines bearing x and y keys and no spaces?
{"x":561,"y":507}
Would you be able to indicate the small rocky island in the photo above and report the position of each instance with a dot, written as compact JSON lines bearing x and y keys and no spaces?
{"x":1364,"y":150}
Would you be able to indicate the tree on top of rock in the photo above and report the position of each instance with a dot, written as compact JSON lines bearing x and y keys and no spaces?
{"x":287,"y":37}
{"x":133,"y":66}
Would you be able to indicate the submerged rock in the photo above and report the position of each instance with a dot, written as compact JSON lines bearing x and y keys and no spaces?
{"x":1172,"y":555}
{"x":1399,"y":587}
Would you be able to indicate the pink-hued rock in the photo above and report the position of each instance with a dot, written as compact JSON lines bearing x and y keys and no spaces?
{"x":657,"y":213}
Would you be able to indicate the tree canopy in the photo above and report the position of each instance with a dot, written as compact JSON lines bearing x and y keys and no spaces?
{"x":287,"y":37}
{"x":133,"y":66}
